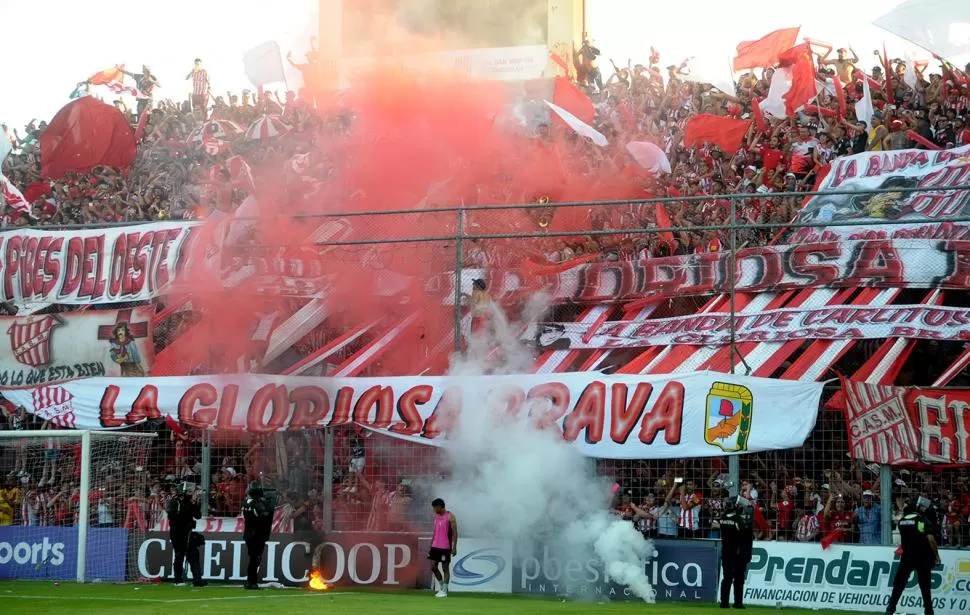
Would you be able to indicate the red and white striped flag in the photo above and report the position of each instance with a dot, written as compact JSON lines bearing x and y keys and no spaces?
{"x":13,"y":197}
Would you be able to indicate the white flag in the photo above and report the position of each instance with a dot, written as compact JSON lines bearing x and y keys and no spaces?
{"x":582,"y":128}
{"x":863,"y":109}
{"x":264,"y":64}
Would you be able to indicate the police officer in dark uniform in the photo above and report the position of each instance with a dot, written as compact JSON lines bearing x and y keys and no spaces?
{"x":183,"y":510}
{"x":737,"y":542}
{"x":917,"y":530}
{"x":258,"y":515}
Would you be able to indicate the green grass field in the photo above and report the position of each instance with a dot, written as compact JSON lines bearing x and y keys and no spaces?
{"x":38,"y":597}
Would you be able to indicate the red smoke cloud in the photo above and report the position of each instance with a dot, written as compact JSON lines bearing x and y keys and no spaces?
{"x":395,"y":141}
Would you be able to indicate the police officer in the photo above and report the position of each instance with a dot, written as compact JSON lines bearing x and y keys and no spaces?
{"x":917,"y":531}
{"x":258,"y":515}
{"x":737,"y":542}
{"x":183,"y":510}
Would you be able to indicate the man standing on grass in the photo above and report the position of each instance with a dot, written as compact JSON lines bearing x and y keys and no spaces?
{"x":444,"y":544}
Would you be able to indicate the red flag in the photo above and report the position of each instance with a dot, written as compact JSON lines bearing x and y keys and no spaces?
{"x":839,"y":93}
{"x":174,"y":425}
{"x":759,"y":117}
{"x":572,"y":99}
{"x":724,"y":132}
{"x":109,"y":75}
{"x":820,"y":110}
{"x":915,"y":136}
{"x":663,"y":221}
{"x":766,"y":50}
{"x":799,"y":62}
{"x":832,"y":537}
{"x":560,"y":63}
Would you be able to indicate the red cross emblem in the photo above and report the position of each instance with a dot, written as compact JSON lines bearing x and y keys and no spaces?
{"x":136,"y":329}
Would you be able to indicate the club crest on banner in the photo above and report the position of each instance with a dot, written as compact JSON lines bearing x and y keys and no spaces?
{"x":30,"y":340}
{"x":727,"y":423}
{"x":54,"y":404}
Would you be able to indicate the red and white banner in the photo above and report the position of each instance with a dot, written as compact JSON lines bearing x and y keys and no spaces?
{"x":907,"y":425}
{"x":896,"y":263}
{"x":133,"y":263}
{"x":52,"y":348}
{"x":282,"y":523}
{"x":900,"y":173}
{"x":698,"y":414}
{"x":834,"y":322}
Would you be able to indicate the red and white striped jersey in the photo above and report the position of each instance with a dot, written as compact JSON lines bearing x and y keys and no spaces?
{"x":807,"y":528}
{"x":200,"y":82}
{"x":690,"y":511}
{"x":649,"y":523}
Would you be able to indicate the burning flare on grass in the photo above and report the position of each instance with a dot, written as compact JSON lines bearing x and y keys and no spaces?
{"x":316,"y":582}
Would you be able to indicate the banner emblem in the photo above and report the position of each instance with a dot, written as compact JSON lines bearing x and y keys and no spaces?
{"x":30,"y":340}
{"x":727,"y":422}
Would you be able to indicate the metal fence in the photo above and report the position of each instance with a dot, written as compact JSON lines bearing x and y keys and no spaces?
{"x":342,"y":479}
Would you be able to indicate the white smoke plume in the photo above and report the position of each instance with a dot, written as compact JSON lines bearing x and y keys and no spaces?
{"x":515,"y":481}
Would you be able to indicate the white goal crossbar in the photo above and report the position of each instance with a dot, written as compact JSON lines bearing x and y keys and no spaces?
{"x":85,"y":482}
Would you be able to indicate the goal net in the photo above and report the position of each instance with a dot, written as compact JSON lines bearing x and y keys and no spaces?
{"x":66,"y":499}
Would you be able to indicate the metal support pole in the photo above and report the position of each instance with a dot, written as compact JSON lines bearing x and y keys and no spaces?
{"x":328,"y":480}
{"x":731,"y":281}
{"x":734,"y":466}
{"x":459,"y":236}
{"x":206,"y":472}
{"x":886,"y":503}
{"x":84,"y":505}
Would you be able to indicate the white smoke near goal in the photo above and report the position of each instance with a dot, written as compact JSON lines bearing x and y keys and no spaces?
{"x":513,"y":480}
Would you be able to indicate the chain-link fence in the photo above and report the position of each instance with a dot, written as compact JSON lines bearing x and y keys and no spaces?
{"x":809,"y":300}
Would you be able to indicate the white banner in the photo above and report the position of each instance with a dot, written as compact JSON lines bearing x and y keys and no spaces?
{"x":52,"y":348}
{"x":902,"y":170}
{"x":131,"y":263}
{"x":881,"y":263}
{"x":835,"y":322}
{"x":850,"y":578}
{"x":699,"y":414}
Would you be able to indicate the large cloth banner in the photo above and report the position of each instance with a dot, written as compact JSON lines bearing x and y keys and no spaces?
{"x":907,"y":425}
{"x":831,"y":322}
{"x":133,"y":263}
{"x":883,"y":263}
{"x":700,"y":414}
{"x":52,"y":348}
{"x":899,"y":173}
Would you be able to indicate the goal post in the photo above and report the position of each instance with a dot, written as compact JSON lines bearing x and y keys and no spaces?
{"x":66,"y":502}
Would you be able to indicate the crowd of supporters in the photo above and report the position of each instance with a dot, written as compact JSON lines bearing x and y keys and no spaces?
{"x":179,"y":174}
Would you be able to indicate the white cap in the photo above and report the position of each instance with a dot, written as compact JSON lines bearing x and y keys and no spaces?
{"x":867,"y":494}
{"x":754,"y":494}
{"x":825,"y":486}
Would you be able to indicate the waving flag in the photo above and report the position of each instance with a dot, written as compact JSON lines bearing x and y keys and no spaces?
{"x":582,"y":128}
{"x":724,"y":132}
{"x":569,"y":97}
{"x":109,"y":75}
{"x":801,"y":68}
{"x":12,"y":196}
{"x":766,"y":50}
{"x":939,"y":26}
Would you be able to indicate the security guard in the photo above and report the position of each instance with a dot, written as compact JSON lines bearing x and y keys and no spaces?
{"x":917,"y":531}
{"x":258,"y":516}
{"x":183,"y":510}
{"x":737,"y":542}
